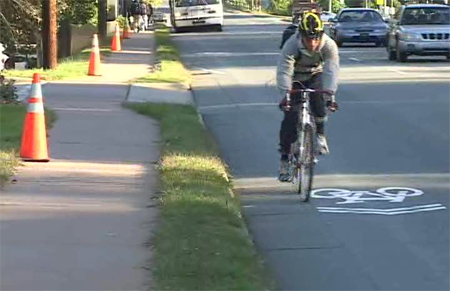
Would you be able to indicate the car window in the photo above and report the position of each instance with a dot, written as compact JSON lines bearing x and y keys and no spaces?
{"x":163,"y":10}
{"x":421,"y":16}
{"x":360,"y":16}
{"x":186,"y":3}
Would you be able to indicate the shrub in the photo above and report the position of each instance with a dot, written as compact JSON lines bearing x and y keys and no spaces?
{"x":8,"y":91}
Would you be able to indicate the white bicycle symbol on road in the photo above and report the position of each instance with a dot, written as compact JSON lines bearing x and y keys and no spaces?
{"x":391,"y":194}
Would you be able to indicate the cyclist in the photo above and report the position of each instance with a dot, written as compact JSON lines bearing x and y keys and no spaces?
{"x":308,"y":59}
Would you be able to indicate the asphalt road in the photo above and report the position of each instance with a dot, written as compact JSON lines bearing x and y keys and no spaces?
{"x":392,"y":131}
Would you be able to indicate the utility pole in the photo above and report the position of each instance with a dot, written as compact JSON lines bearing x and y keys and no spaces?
{"x":49,"y":33}
{"x":102,"y":19}
{"x":330,"y":7}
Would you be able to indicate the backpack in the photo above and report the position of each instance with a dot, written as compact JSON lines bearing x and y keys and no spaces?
{"x":287,"y":33}
{"x":135,"y":8}
{"x":143,"y":9}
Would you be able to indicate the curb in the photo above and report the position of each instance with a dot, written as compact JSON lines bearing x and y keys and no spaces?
{"x":128,"y":92}
{"x":172,"y":93}
{"x":23,"y":90}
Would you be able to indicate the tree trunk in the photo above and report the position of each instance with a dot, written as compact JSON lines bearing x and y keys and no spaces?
{"x":49,"y":33}
{"x":102,"y":19}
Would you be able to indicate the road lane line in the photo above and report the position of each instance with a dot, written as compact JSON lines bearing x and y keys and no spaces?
{"x":355,"y":59}
{"x":228,"y":54}
{"x":235,"y":105}
{"x":86,"y":109}
{"x":398,"y":71}
{"x":209,"y":71}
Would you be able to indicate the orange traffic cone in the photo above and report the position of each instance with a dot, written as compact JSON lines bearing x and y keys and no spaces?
{"x":126,"y":30}
{"x":34,"y":137}
{"x":115,"y":45}
{"x":94,"y":62}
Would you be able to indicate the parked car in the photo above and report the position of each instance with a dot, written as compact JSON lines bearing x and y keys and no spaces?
{"x":358,"y":25}
{"x":326,"y":16}
{"x":160,"y":14}
{"x":419,"y":29}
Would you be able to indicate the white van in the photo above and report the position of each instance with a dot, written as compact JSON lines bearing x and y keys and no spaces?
{"x":192,"y":13}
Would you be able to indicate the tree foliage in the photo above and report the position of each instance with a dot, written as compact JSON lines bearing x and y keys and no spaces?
{"x":19,"y":22}
{"x":282,"y":7}
{"x":78,"y":11}
{"x":336,"y":5}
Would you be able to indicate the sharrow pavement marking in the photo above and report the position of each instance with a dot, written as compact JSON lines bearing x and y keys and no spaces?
{"x":390,"y":194}
{"x":387,"y":194}
{"x":393,"y":211}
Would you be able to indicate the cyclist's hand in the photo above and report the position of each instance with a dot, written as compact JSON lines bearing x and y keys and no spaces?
{"x":329,"y":94}
{"x":284,"y":104}
{"x":332,"y":106}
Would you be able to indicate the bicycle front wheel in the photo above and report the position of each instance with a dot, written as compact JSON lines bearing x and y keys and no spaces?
{"x":305,"y":169}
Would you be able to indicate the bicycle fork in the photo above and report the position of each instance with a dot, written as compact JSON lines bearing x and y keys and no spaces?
{"x":305,"y":119}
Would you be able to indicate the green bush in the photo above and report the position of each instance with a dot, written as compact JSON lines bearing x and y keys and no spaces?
{"x":281,"y":7}
{"x":78,"y":11}
{"x":122,"y":21}
{"x":336,"y":5}
{"x":8,"y":91}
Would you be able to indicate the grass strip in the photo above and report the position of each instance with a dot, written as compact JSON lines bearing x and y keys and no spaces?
{"x":169,"y":68}
{"x":12,"y":117}
{"x":201,"y":242}
{"x":68,"y":68}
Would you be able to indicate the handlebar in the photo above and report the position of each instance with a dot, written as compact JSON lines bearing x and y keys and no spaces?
{"x":310,"y":91}
{"x":331,"y":104}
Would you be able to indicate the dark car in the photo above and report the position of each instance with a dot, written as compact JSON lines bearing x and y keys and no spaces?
{"x":359,"y":25}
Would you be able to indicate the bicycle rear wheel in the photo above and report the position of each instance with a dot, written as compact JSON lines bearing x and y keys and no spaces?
{"x":305,"y":168}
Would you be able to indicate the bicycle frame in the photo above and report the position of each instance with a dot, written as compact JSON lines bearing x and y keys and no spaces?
{"x":305,"y":117}
{"x":302,"y":158}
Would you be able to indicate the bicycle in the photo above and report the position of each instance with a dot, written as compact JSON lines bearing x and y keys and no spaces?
{"x":302,"y":157}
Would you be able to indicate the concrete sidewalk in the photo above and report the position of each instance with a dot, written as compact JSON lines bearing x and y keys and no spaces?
{"x":83,"y":220}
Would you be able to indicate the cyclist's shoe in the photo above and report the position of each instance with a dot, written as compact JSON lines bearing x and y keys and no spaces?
{"x":322,"y":144}
{"x":284,"y":175}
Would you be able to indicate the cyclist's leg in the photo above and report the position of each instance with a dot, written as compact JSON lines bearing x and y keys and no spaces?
{"x":288,"y":135}
{"x":288,"y":132}
{"x":318,"y":106}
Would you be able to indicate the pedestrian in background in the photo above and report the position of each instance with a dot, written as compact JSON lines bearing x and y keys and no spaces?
{"x":149,"y":14}
{"x":136,"y":13}
{"x":143,"y":11}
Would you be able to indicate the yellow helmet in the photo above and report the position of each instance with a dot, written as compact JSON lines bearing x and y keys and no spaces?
{"x":311,"y":26}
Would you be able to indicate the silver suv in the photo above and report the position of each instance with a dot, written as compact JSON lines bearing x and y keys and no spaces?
{"x":419,"y":29}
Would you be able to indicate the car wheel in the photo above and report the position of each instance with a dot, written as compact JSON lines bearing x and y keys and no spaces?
{"x":448,"y":57}
{"x":219,"y":27}
{"x":401,"y":56}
